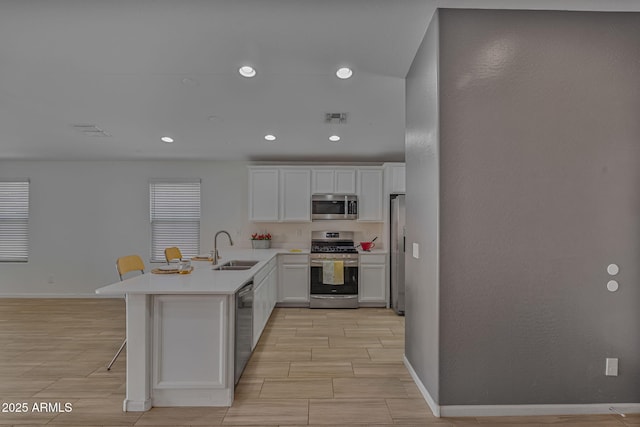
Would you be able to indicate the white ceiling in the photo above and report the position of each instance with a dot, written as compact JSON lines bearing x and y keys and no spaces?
{"x":141,"y":69}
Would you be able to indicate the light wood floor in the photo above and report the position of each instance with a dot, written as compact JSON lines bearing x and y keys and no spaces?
{"x":311,"y":367}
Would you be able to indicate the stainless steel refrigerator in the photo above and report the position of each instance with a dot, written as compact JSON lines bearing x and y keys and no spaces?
{"x":398,"y":246}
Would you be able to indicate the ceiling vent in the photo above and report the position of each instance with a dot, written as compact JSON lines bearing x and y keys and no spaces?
{"x":335,"y":118}
{"x":90,"y":130}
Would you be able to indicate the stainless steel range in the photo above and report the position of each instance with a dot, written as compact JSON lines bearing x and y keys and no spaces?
{"x":334,"y":270}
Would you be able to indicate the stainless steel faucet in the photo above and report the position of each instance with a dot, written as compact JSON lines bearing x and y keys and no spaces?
{"x":215,"y":246}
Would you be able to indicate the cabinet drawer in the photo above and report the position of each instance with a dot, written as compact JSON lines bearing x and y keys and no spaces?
{"x":294,"y":259}
{"x":373,"y":259}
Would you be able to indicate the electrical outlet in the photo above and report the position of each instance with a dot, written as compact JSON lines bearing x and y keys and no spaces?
{"x":611,"y":367}
{"x":416,"y":251}
{"x":50,"y":280}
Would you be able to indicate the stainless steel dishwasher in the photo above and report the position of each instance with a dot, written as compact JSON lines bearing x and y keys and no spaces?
{"x":244,"y":328}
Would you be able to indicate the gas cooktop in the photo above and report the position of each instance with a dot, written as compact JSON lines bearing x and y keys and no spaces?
{"x":333,"y":249}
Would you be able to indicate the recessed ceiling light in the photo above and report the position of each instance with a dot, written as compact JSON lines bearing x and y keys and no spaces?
{"x":270,"y":137}
{"x":344,"y":73}
{"x":247,"y":71}
{"x":334,"y":138}
{"x":166,"y":139}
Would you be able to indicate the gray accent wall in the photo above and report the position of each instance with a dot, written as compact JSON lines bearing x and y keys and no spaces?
{"x":421,"y":275}
{"x":539,"y":168}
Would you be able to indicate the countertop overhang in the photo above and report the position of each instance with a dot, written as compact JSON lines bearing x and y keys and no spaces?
{"x":202,"y":280}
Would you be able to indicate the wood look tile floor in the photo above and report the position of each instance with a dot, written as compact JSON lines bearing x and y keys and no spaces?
{"x":310,"y":368}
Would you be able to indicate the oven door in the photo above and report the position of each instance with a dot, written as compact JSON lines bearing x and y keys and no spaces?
{"x":350,"y":287}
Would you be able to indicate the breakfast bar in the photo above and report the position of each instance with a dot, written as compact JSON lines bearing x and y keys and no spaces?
{"x":180,"y":332}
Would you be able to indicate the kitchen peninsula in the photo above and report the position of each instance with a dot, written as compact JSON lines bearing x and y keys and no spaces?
{"x":180,"y":330}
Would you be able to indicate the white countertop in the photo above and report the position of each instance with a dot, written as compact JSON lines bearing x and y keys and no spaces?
{"x":202,"y":280}
{"x":373,"y":252}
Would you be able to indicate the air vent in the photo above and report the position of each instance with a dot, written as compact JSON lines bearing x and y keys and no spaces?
{"x":90,"y":130}
{"x":335,"y":118}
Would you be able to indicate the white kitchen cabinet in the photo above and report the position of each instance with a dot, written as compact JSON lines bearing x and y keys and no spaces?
{"x":264,"y":298}
{"x":333,"y":181}
{"x":396,"y":178}
{"x":293,"y":280}
{"x":370,"y":194}
{"x":264,"y":195}
{"x":372,"y":287}
{"x":295,"y":195}
{"x":279,"y":194}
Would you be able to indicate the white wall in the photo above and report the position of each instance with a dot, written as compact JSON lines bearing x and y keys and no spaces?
{"x":85,"y":214}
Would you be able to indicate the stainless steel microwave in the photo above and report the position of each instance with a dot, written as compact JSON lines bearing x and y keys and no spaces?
{"x":334,"y":206}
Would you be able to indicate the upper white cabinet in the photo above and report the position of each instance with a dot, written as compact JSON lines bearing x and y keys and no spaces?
{"x":263,"y":194}
{"x":279,"y":194}
{"x":395,"y":178}
{"x":295,"y":195}
{"x":370,"y":194}
{"x":333,"y":181}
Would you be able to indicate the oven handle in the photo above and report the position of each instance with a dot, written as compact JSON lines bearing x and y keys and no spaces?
{"x":349,"y":262}
{"x":334,"y":296}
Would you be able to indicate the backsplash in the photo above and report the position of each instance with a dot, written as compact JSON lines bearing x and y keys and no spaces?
{"x":298,"y":235}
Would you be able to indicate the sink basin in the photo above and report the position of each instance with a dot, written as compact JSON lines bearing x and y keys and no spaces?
{"x":232,"y":267}
{"x":240,"y":263}
{"x":237,"y":265}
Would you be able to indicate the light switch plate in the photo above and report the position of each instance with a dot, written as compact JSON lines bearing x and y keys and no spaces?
{"x":611,"y":368}
{"x":416,"y":251}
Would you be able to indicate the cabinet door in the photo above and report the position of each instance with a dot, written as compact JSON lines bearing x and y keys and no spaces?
{"x":272,"y":291}
{"x":398,"y":180}
{"x":372,"y":283}
{"x":294,"y":283}
{"x":345,"y":181}
{"x":370,"y":195}
{"x":260,"y":315}
{"x":263,"y":194}
{"x":295,"y":193}
{"x":322,"y":181}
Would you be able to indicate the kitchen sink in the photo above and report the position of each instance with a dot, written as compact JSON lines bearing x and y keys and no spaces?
{"x":232,"y":267}
{"x":236,"y":265}
{"x":240,"y":263}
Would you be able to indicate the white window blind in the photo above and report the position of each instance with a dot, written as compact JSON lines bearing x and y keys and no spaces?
{"x":14,"y":220}
{"x":175,"y":217}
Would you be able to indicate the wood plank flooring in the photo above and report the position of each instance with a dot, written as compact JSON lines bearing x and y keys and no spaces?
{"x":310,"y":368}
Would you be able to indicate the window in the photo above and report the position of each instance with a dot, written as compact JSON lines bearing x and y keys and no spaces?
{"x":14,"y":220}
{"x":175,"y":217}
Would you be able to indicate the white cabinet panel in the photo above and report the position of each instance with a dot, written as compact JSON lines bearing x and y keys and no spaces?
{"x":397,"y":179}
{"x":263,"y":194}
{"x":189,"y":333}
{"x":370,"y":194}
{"x":334,"y":181}
{"x":293,"y":279}
{"x":295,"y":195}
{"x":264,"y":298}
{"x":345,"y":181}
{"x":373,"y":281}
{"x":322,"y":181}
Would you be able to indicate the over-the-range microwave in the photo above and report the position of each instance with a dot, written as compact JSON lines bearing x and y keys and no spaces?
{"x":334,"y":206}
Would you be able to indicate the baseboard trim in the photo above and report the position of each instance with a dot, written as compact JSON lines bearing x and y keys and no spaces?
{"x":527,"y":410}
{"x":136,"y":405}
{"x":48,"y":295}
{"x":435,"y":408}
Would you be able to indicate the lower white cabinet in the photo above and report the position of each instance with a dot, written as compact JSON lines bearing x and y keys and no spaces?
{"x":264,"y":298}
{"x":373,"y":280}
{"x":293,"y":283}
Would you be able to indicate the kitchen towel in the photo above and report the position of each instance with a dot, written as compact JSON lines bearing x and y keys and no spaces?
{"x":333,"y":272}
